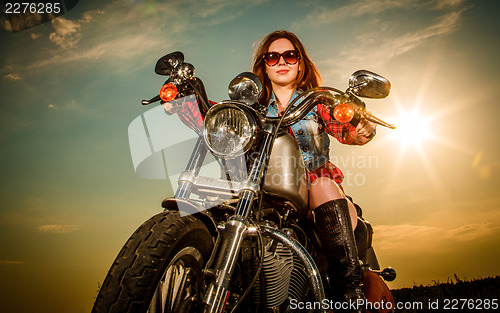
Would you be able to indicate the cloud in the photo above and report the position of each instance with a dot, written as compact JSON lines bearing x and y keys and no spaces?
{"x":67,"y":106}
{"x":88,"y":16}
{"x":58,"y":229}
{"x":384,"y":30}
{"x":66,"y":33}
{"x":85,"y":39}
{"x":5,"y":24}
{"x":362,"y":8}
{"x":112,"y":34}
{"x":443,"y":4}
{"x":357,"y":9}
{"x":472,"y":231}
{"x":382,"y":47}
{"x":12,"y":76}
{"x":117,"y":49}
{"x":9,"y":262}
{"x":397,"y":236}
{"x":398,"y":45}
{"x":402,"y":237}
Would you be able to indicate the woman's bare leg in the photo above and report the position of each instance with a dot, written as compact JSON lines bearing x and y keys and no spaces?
{"x":323,"y":190}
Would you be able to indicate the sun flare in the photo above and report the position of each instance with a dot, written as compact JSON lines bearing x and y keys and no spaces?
{"x":412,"y":129}
{"x":415,"y":138}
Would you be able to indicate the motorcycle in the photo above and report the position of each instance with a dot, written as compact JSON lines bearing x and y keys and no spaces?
{"x":237,"y":235}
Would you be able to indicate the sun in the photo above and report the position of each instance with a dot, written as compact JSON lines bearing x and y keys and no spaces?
{"x":412,"y":129}
{"x":415,"y":138}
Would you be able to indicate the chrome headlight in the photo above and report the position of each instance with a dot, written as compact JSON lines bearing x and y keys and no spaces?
{"x":229,"y":129}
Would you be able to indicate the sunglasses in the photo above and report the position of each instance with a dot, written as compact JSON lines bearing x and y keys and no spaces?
{"x":291,"y":57}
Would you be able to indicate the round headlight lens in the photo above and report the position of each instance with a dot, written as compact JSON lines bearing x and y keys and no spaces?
{"x":228,"y":130}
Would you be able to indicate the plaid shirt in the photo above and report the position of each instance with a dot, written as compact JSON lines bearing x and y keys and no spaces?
{"x":344,"y":133}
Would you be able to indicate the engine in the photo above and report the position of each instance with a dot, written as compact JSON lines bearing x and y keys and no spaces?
{"x":283,"y":277}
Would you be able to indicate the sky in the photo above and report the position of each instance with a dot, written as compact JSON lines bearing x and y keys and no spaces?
{"x":69,"y":196}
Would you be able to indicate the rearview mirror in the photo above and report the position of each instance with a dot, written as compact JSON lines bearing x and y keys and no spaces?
{"x":369,"y":85}
{"x":166,"y":64}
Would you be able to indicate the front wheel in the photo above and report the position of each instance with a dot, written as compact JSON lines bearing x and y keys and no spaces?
{"x":159,"y":268}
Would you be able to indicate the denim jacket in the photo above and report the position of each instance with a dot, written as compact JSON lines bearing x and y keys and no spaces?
{"x":310,"y":135}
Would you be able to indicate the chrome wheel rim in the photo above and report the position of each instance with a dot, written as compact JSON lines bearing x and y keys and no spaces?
{"x":180,"y":284}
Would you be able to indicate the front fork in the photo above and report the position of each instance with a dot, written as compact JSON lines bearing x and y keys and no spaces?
{"x":235,"y":230}
{"x":218,"y":291}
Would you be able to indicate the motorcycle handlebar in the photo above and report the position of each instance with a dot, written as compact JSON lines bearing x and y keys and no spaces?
{"x":152,"y":100}
{"x":293,"y":113}
{"x":372,"y":118}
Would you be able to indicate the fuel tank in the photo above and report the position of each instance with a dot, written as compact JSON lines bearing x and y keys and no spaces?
{"x":286,"y":174}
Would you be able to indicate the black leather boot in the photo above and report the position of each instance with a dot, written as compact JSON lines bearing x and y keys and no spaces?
{"x":333,"y":224}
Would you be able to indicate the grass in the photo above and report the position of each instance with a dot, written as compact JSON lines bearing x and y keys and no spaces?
{"x":456,"y":295}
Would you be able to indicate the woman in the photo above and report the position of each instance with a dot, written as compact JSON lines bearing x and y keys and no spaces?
{"x":282,"y":64}
{"x":284,"y":67}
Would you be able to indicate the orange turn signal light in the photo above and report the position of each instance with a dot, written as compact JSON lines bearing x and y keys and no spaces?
{"x":343,"y":113}
{"x":168,"y":92}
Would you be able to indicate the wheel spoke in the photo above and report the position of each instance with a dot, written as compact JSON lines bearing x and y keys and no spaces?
{"x":170,"y":290}
{"x":180,"y":294}
{"x":177,"y":287}
{"x":175,"y":291}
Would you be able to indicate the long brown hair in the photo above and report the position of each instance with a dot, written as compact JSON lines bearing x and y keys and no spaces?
{"x":308,"y":76}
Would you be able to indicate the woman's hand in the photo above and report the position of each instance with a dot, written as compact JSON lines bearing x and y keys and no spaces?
{"x":365,"y":128}
{"x":169,"y":108}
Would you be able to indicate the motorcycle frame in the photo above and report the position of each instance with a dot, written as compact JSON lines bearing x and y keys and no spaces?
{"x":237,"y":228}
{"x":231,"y":234}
